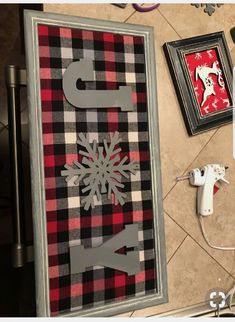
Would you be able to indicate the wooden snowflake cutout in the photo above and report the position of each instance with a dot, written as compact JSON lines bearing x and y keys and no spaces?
{"x":209,"y":7}
{"x":101,"y":170}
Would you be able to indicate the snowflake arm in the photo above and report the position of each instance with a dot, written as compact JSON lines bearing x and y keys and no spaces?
{"x":101,"y":168}
{"x":77,"y":172}
{"x":119,"y":197}
{"x":90,"y":151}
{"x":123,"y":168}
{"x":94,"y":191}
{"x":110,"y":151}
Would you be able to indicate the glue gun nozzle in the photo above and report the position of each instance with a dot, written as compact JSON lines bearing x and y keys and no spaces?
{"x":183,"y":178}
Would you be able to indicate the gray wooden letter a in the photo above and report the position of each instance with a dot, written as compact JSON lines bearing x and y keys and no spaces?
{"x":104,"y":255}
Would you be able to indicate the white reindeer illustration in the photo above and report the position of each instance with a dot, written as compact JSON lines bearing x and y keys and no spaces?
{"x":203,"y":73}
{"x":196,"y":90}
{"x":222,"y":89}
{"x":210,"y":55}
{"x":206,"y":109}
{"x":198,"y":56}
{"x":226,"y":100}
{"x":214,"y":104}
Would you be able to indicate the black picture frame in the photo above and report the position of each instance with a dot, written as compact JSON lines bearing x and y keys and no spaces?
{"x":174,"y":52}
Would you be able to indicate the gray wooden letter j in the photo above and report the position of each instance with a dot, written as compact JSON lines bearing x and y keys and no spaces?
{"x":84,"y":70}
{"x":104,"y":255}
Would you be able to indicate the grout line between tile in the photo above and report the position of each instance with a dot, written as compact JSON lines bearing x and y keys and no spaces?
{"x":168,"y":22}
{"x":192,"y":162}
{"x":189,"y":235}
{"x":203,"y":148}
{"x":130,"y":16}
{"x":177,"y":249}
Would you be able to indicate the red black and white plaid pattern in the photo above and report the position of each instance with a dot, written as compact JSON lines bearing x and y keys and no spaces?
{"x":119,"y":60}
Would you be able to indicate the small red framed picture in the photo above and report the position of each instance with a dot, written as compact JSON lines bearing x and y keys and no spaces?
{"x":201,"y":69}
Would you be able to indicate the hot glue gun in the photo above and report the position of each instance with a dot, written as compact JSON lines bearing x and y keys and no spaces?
{"x":205,"y":179}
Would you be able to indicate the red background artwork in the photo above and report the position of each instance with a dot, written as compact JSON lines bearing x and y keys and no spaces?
{"x":221,"y":99}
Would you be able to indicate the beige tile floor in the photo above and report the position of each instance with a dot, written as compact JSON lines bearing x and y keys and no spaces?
{"x":193,"y":268}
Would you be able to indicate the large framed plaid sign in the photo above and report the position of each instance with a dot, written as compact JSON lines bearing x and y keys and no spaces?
{"x":96,"y":182}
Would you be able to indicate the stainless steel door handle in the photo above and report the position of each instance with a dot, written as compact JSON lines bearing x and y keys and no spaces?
{"x":15,"y":78}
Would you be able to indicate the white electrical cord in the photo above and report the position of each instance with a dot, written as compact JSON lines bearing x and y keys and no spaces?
{"x":230,"y":295}
{"x":207,"y":240}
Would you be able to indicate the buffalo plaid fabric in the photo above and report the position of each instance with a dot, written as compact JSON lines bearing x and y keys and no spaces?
{"x":118,"y":61}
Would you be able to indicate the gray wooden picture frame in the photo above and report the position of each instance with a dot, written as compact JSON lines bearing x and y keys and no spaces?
{"x":32,"y":19}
